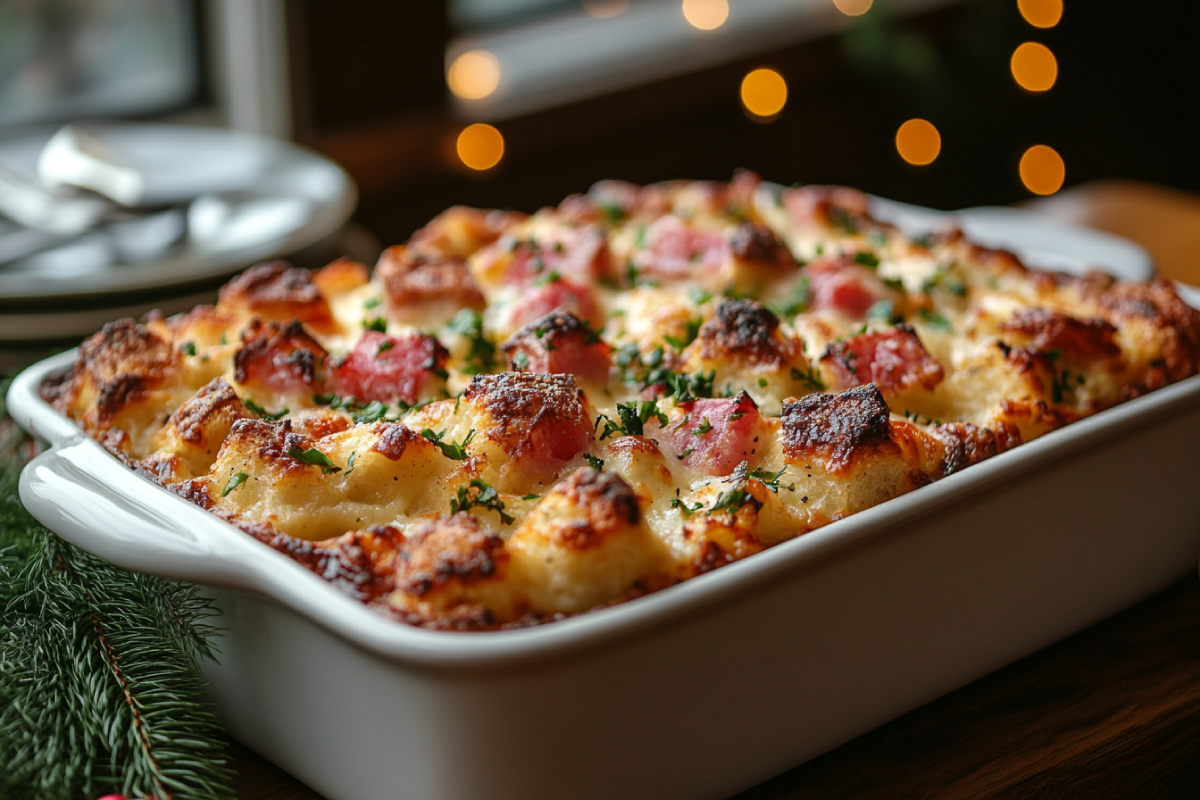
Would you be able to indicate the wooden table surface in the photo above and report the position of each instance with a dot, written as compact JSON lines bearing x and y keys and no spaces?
{"x":1112,"y":712}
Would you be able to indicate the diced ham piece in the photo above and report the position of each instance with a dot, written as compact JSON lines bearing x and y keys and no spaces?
{"x":387,"y":368}
{"x":281,"y":357}
{"x":814,"y":206}
{"x":559,"y":342}
{"x":556,"y":296}
{"x":840,"y":285}
{"x":579,"y":255}
{"x":892,"y":359}
{"x":678,"y":251}
{"x":718,"y":434}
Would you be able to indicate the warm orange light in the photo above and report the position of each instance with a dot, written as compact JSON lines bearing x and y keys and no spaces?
{"x":1034,"y":67}
{"x":706,"y":15}
{"x":603,"y":9}
{"x":1042,"y":170}
{"x":474,"y":75}
{"x":853,"y":8}
{"x":918,"y":142}
{"x":480,"y":146}
{"x":1041,"y":13}
{"x":764,"y":93}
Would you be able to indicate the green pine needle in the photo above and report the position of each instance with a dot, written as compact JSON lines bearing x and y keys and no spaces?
{"x":99,"y":679}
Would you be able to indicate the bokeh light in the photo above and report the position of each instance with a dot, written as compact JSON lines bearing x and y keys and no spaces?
{"x":853,"y":8}
{"x":706,"y":15}
{"x":1041,"y":13}
{"x":1034,"y":67}
{"x":480,"y":146}
{"x":603,"y":9}
{"x":918,"y":142}
{"x":473,"y":75}
{"x":1042,"y":170}
{"x":764,"y":93}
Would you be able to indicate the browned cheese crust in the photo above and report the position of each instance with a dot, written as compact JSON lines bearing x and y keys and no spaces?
{"x":518,"y":418}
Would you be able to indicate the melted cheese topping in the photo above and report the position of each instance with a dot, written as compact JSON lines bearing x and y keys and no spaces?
{"x":559,"y":412}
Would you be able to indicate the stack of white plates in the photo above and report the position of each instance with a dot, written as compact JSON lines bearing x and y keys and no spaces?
{"x":213,"y":202}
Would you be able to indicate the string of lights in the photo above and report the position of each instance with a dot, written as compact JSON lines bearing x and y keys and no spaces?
{"x":763,"y":94}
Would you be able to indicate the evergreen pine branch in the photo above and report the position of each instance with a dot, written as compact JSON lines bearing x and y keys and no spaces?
{"x":99,"y":679}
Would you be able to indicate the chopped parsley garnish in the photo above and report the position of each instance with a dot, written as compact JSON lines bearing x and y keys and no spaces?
{"x":384,"y":346}
{"x":683,"y":387}
{"x":377,"y":324}
{"x":372,"y":303}
{"x":895,"y":284}
{"x":234,"y":482}
{"x":705,"y":427}
{"x":1054,"y":354}
{"x":550,"y":277}
{"x":223,"y":339}
{"x":866,"y":258}
{"x":188,"y":348}
{"x":684,"y":508}
{"x":762,"y":383}
{"x":934,"y":319}
{"x":262,"y":412}
{"x":771,"y":479}
{"x":314,"y":458}
{"x":1063,"y":383}
{"x":374,"y":412}
{"x":797,"y":300}
{"x":612,"y":212}
{"x":593,"y":462}
{"x":350,"y":462}
{"x":479,"y":494}
{"x":531,"y":496}
{"x":691,"y":331}
{"x":810,"y":378}
{"x":347,"y":403}
{"x":731,"y":500}
{"x":700,"y":296}
{"x":481,"y":357}
{"x":633,"y":419}
{"x":843,"y":220}
{"x":686,"y":453}
{"x":877,"y":237}
{"x":449,"y":449}
{"x":884,"y":311}
{"x":916,"y":417}
{"x":520,"y":360}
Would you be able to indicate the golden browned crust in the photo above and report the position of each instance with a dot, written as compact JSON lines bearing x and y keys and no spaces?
{"x":273,"y":351}
{"x":118,"y":366}
{"x":196,"y":417}
{"x":754,"y":242}
{"x":745,"y":331}
{"x":450,"y":549}
{"x":837,"y":429}
{"x":278,"y":291}
{"x":532,"y":412}
{"x":412,"y":282}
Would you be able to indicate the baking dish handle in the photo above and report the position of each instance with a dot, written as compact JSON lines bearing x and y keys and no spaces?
{"x":117,"y":519}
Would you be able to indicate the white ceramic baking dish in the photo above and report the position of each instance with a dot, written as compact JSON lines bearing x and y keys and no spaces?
{"x":695,"y":692}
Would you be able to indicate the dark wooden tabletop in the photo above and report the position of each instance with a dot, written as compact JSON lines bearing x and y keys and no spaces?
{"x":1112,"y":712}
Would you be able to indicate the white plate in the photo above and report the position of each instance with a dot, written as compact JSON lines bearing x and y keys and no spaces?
{"x":299,"y":198}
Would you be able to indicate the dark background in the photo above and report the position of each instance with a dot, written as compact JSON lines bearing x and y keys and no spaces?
{"x":371,"y":93}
